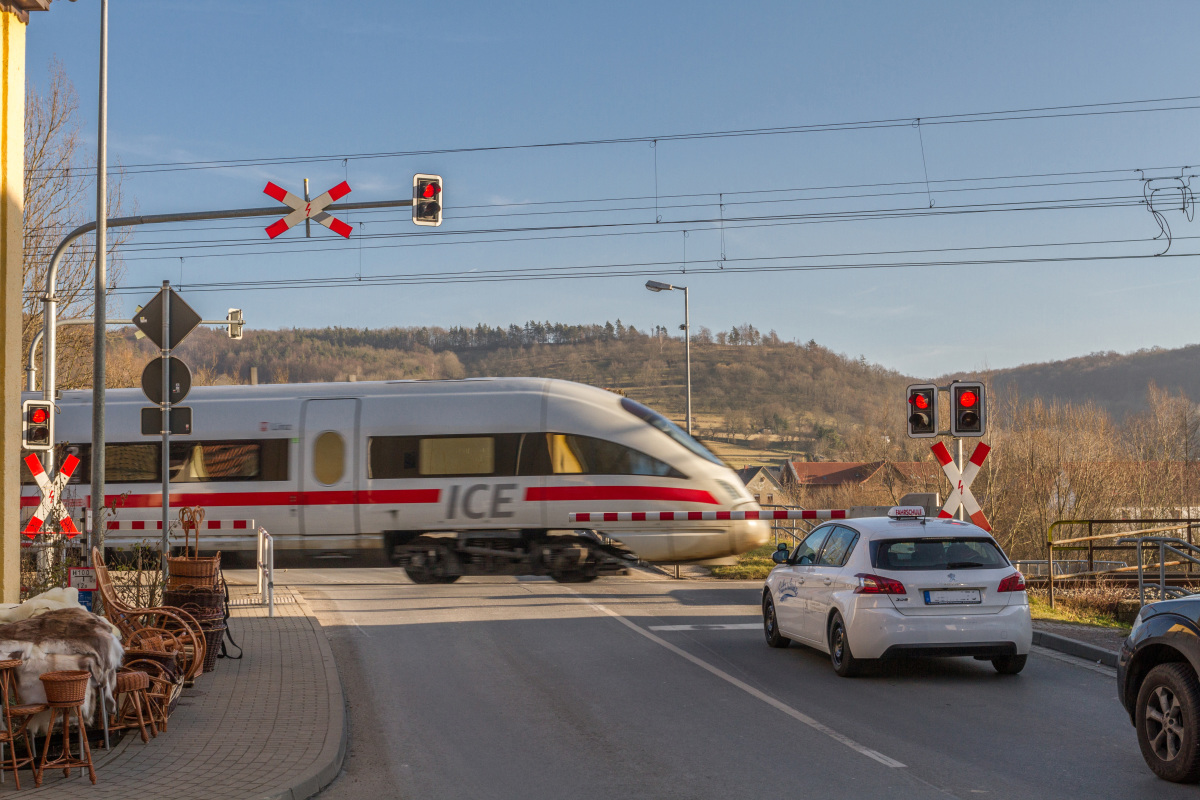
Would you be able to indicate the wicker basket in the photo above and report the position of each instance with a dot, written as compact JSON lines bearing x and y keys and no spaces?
{"x":193,"y":571}
{"x":66,"y":688}
{"x":199,"y":601}
{"x":213,"y":633}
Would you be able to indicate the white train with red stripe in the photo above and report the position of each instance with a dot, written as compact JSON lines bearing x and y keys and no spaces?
{"x":474,"y":476}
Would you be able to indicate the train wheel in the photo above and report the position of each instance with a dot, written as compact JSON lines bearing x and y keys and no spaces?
{"x":421,"y":574}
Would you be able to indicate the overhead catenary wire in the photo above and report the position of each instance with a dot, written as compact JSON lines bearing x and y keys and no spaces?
{"x":1182,"y":103}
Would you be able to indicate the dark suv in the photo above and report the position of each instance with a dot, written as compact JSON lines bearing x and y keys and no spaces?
{"x":1157,"y":684}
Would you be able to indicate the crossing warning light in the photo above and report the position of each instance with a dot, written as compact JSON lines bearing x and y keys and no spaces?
{"x":427,"y":200}
{"x":37,"y":423}
{"x":968,"y":409}
{"x":922,"y":410}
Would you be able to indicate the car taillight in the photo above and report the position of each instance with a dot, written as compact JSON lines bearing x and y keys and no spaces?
{"x":1013,"y":583}
{"x":877,"y":584}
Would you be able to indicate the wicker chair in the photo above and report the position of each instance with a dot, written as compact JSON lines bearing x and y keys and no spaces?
{"x":171,"y":629}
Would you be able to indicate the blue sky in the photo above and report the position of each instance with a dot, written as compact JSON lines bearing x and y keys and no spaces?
{"x":214,"y":81}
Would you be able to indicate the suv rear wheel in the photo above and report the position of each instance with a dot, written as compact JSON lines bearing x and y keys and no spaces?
{"x":1168,"y":705}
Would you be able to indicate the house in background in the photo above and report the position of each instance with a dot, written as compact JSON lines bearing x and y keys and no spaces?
{"x":764,"y":484}
{"x":834,"y":484}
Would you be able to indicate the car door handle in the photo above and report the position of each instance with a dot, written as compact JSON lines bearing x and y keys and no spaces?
{"x":828,"y":581}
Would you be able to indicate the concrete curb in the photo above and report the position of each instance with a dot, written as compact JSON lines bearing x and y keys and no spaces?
{"x":329,"y":763}
{"x":1074,"y":647}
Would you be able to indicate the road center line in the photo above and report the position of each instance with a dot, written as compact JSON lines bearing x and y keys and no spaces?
{"x":745,"y":687}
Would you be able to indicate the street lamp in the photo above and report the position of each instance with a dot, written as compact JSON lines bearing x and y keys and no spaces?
{"x":658,"y":286}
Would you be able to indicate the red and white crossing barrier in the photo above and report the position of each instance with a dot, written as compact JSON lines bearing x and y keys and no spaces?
{"x":679,"y":516}
{"x":152,"y":525}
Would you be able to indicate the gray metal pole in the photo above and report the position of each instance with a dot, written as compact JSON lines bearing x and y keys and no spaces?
{"x":687,"y":339}
{"x":307,"y":221}
{"x":961,"y":511}
{"x":99,"y":327}
{"x":166,"y":423}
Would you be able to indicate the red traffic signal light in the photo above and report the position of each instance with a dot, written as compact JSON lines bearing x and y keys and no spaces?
{"x":427,"y":200}
{"x":922,"y":411}
{"x":967,"y":409}
{"x":37,"y":421}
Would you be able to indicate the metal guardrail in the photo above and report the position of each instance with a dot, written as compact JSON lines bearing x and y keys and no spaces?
{"x":1166,"y":544}
{"x":1040,"y":568}
{"x":266,"y":570}
{"x":1097,"y":543}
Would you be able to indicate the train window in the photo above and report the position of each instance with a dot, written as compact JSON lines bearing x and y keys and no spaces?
{"x":191,"y":462}
{"x":132,"y":463}
{"x":229,"y":461}
{"x":466,"y":455}
{"x":329,"y":458}
{"x":571,"y":454}
{"x":390,"y":457}
{"x":651,"y":417}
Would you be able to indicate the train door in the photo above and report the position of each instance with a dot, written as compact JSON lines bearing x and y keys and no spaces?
{"x":329,"y":437}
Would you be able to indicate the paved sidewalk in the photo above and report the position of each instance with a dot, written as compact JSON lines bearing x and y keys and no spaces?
{"x":271,"y":725}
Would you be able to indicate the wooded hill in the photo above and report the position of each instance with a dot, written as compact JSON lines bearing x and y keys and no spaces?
{"x":744,"y":383}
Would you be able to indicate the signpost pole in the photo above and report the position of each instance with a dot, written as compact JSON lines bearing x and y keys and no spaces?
{"x":961,"y":514}
{"x":166,"y":421}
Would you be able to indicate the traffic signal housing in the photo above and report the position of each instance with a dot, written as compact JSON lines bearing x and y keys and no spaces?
{"x":37,"y":425}
{"x":922,"y":410}
{"x":236,"y":323}
{"x":968,"y":409}
{"x":427,"y":200}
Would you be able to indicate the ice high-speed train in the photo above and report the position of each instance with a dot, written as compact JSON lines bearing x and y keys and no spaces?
{"x":459,"y":477}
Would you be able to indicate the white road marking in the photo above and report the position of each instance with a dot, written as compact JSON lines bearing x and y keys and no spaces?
{"x":745,"y":687}
{"x":1073,"y":660}
{"x":716,"y":626}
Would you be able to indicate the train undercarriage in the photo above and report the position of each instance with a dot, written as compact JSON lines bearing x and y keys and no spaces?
{"x":566,"y":556}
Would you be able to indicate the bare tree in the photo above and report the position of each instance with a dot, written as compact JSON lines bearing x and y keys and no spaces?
{"x":60,"y":196}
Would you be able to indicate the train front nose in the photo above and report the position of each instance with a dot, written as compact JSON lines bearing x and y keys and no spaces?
{"x":749,"y":534}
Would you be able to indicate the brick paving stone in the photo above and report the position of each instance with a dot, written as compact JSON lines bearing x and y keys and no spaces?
{"x":268,"y":725}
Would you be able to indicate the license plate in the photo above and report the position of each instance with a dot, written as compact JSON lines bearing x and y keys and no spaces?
{"x":938,"y":597}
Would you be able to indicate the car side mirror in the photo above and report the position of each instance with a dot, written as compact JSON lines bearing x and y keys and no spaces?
{"x":780,"y":556}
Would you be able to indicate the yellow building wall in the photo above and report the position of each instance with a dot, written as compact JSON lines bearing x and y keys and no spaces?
{"x":12,"y":163}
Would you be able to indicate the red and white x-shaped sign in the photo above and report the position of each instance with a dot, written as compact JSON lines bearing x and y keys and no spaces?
{"x":51,"y":497}
{"x":308,"y":209}
{"x":960,"y":482}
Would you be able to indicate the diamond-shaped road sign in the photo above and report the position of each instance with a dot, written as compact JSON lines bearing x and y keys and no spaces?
{"x":308,"y":209}
{"x":52,"y":503}
{"x":150,"y":318}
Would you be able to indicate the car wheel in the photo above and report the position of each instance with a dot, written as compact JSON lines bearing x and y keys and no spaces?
{"x":844,"y":662}
{"x":1009,"y":665}
{"x":1167,"y":709}
{"x":771,"y":624}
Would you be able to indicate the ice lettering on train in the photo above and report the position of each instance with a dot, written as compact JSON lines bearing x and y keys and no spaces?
{"x":475,"y":506}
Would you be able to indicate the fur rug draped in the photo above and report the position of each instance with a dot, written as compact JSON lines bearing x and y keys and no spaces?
{"x":63,"y":639}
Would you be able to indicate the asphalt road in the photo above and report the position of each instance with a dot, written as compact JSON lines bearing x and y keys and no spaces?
{"x":635,"y":687}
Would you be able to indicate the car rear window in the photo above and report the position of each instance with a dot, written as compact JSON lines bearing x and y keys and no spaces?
{"x":938,"y":554}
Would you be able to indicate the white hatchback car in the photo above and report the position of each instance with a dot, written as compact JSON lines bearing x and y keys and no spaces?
{"x":901,"y":585}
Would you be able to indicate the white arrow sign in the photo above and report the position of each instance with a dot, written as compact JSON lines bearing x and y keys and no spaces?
{"x":960,"y":483}
{"x":308,"y":209}
{"x":51,"y":504}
